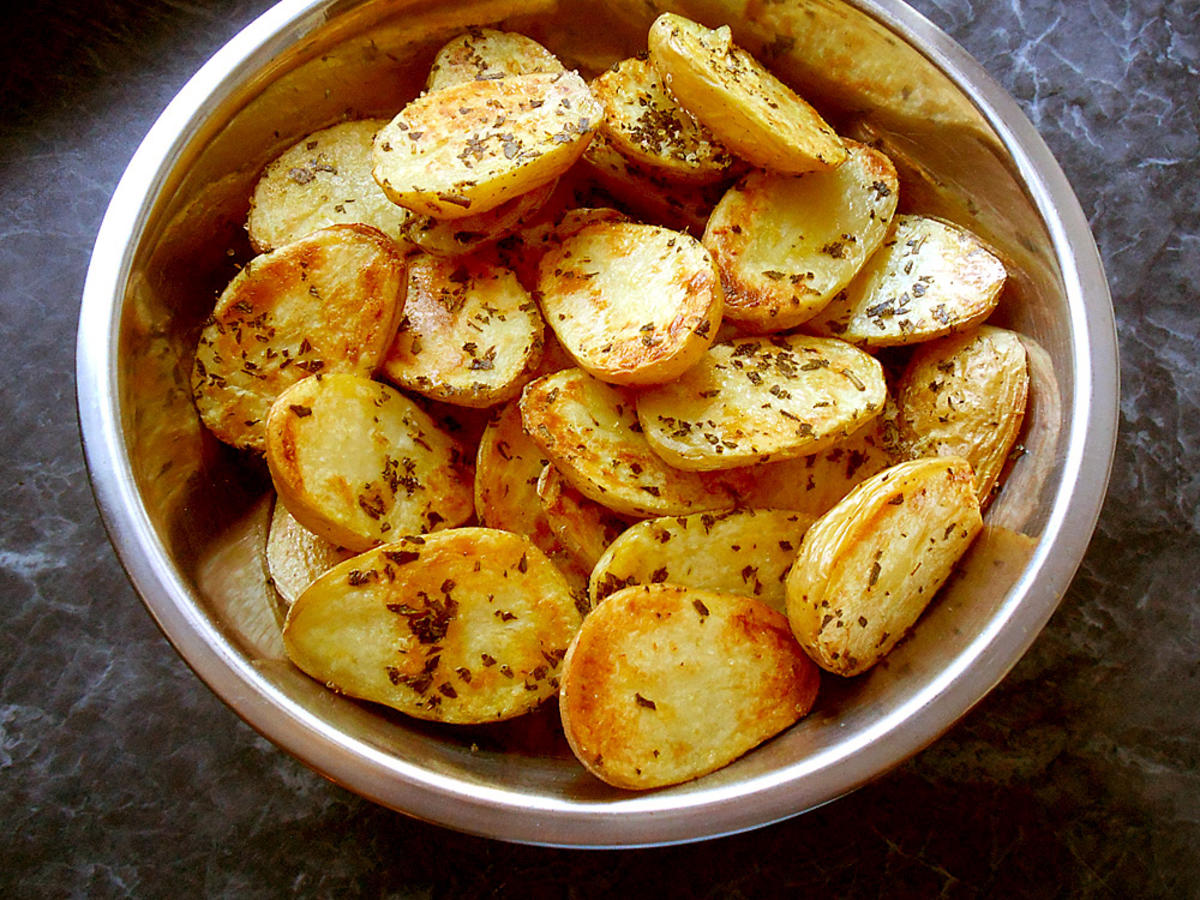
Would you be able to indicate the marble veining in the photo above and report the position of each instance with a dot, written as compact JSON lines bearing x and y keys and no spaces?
{"x":1079,"y":776}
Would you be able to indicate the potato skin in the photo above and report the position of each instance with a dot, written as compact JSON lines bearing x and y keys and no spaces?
{"x":965,"y":396}
{"x":663,"y":684}
{"x":327,"y":303}
{"x":867,"y":569}
{"x":296,"y":557}
{"x":463,"y":626}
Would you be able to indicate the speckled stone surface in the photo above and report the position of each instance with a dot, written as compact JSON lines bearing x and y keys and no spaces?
{"x":122,"y":775}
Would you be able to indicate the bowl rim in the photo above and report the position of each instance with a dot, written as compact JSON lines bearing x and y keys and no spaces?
{"x":641,"y":819}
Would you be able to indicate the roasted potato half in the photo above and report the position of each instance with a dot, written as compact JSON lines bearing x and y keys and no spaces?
{"x":296,"y":557}
{"x":868,"y":568}
{"x":357,"y":463}
{"x":929,"y":279}
{"x":323,"y":180}
{"x":463,"y":626}
{"x":631,"y":303}
{"x":470,"y":334}
{"x":485,"y":54}
{"x":748,"y":109}
{"x":645,"y":123}
{"x":326,"y":303}
{"x":786,"y":244}
{"x":508,"y":465}
{"x":742,"y":551}
{"x":584,"y":526}
{"x":665,"y":683}
{"x":965,"y":396}
{"x":761,"y":399}
{"x":455,"y":237}
{"x":466,"y":149}
{"x":590,"y":432}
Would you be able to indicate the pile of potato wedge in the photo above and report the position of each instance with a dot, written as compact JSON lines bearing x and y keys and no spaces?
{"x":635,"y":391}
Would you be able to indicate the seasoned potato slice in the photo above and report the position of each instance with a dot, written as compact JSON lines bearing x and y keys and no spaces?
{"x":585,"y":527}
{"x":507,"y":467}
{"x":357,"y":462}
{"x":658,"y":200}
{"x":786,"y":245}
{"x":645,"y":123}
{"x":470,"y":334}
{"x":326,"y":303}
{"x":466,"y":625}
{"x":749,"y":110}
{"x":523,"y":251}
{"x":929,"y":279}
{"x":589,"y":430}
{"x":468,"y":148}
{"x":664,"y":683}
{"x":323,"y":180}
{"x":296,"y":557}
{"x":762,"y":399}
{"x":743,"y":551}
{"x":814,"y":483}
{"x":483,"y":54}
{"x":455,"y":237}
{"x":867,"y":569}
{"x":965,"y":396}
{"x":632,"y":303}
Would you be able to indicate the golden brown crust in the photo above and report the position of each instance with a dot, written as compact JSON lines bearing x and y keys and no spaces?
{"x":470,"y":334}
{"x":631,"y":303}
{"x":463,"y":626}
{"x":585,"y":527}
{"x":664,"y":683}
{"x":445,"y":155}
{"x":357,"y":462}
{"x":324,"y":304}
{"x":483,"y":54}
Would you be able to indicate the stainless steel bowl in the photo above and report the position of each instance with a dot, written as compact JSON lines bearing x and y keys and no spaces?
{"x":186,"y":515}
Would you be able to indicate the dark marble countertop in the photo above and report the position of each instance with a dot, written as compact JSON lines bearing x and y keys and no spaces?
{"x":122,"y":775}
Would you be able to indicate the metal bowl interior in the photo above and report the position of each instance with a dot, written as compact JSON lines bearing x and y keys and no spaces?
{"x":187,"y":515}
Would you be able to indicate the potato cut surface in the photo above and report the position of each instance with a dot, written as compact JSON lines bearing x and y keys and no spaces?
{"x":815,"y":482}
{"x":748,"y":109}
{"x":786,"y":245}
{"x":323,"y":180}
{"x":470,"y":334}
{"x":326,"y":303}
{"x":868,"y":568}
{"x":645,"y":123}
{"x":632,"y":303}
{"x":584,"y":526}
{"x":455,"y":237}
{"x":466,"y":625}
{"x":468,"y":148}
{"x":742,"y":551}
{"x":929,"y":279}
{"x":357,"y":463}
{"x":508,"y":465}
{"x":590,"y":432}
{"x":666,"y":683}
{"x":762,"y":399}
{"x":646,"y":193}
{"x":296,"y":557}
{"x":484,"y":54}
{"x":965,"y":396}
